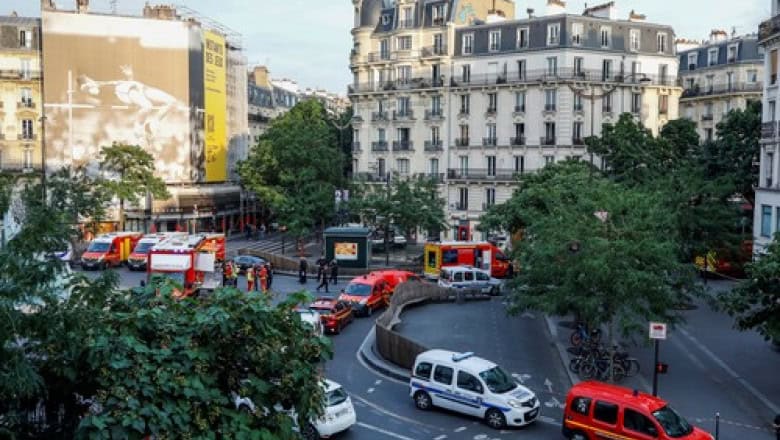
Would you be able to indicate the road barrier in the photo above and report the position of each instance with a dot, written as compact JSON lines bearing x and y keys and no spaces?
{"x":395,"y":347}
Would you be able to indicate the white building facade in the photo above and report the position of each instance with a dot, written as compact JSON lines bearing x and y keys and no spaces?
{"x":491,"y":100}
{"x":717,"y":76}
{"x":766,"y":221}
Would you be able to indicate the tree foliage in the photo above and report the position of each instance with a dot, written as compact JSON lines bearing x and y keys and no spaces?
{"x":620,"y":272}
{"x":296,"y":167}
{"x":131,"y":175}
{"x":408,"y":204}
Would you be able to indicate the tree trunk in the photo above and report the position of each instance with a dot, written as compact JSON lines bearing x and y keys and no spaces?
{"x":612,"y":343}
{"x":121,"y":214}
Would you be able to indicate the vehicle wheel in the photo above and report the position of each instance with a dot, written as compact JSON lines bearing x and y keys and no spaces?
{"x":494,"y":291}
{"x":495,"y":419}
{"x":618,"y":373}
{"x":574,"y":365}
{"x":369,"y":310}
{"x":422,"y":401}
{"x":587,"y":370}
{"x":631,"y":367}
{"x":309,"y":432}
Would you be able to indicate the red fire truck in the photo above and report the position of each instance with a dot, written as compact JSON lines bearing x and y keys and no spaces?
{"x":140,"y":255}
{"x":109,"y":250}
{"x":184,"y":260}
{"x":482,"y":255}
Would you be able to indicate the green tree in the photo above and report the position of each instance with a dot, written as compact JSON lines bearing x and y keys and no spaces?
{"x":755,"y":302}
{"x":596,"y":249}
{"x":408,"y":204}
{"x":131,"y":175}
{"x":296,"y":167}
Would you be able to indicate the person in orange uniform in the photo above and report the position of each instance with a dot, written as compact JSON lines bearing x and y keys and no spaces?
{"x":250,"y":278}
{"x":264,"y":279}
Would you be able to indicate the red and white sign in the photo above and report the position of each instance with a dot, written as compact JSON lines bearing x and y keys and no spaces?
{"x":657,"y":330}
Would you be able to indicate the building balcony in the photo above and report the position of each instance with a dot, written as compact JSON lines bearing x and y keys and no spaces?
{"x":435,"y":177}
{"x":462,"y":142}
{"x":578,"y":108}
{"x":549,"y":107}
{"x":374,"y":57}
{"x":20,"y":75}
{"x":517,"y":141}
{"x":403,"y":115}
{"x":495,"y":174}
{"x":405,"y":24}
{"x":26,"y":137}
{"x":434,"y":145}
{"x":403,"y":146}
{"x":708,"y":117}
{"x":519,"y":110}
{"x":379,"y":146}
{"x":434,"y":51}
{"x":489,"y":141}
{"x":566,"y":75}
{"x":769,"y":130}
{"x":380,"y":116}
{"x":434,"y":114}
{"x":371,"y":177}
{"x":606,"y":109}
{"x":356,"y":147}
{"x":722,"y":89}
{"x":25,"y":104}
{"x":20,"y":166}
{"x":463,"y":113}
{"x":461,"y":206}
{"x":490,"y":112}
{"x":578,"y":141}
{"x":547,"y":141}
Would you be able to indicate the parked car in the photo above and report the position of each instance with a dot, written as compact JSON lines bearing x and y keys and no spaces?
{"x":470,"y":385}
{"x":469,"y":279}
{"x":366,"y":294}
{"x":244,"y":262}
{"x":598,"y":410}
{"x":395,"y":277}
{"x":311,"y":318}
{"x":399,"y":241}
{"x":338,"y":417}
{"x":334,"y":314}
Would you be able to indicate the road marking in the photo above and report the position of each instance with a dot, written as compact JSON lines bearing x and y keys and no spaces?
{"x":480,"y":437}
{"x":374,"y":372}
{"x":553,"y":403}
{"x":461,"y":429}
{"x":441,"y":437}
{"x":378,"y":381}
{"x":383,"y":431}
{"x":548,"y":384}
{"x":370,"y":390}
{"x":521,"y":377}
{"x":548,"y":420}
{"x":757,"y":394}
{"x":381,"y":410}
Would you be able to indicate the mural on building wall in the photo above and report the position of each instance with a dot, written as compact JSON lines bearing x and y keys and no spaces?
{"x":466,"y":14}
{"x":117,"y":79}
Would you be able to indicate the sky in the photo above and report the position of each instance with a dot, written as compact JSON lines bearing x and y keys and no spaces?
{"x":309,"y":40}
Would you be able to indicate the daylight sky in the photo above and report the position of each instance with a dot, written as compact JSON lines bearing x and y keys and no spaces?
{"x":309,"y":40}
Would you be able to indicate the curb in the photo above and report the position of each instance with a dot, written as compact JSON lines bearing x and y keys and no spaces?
{"x":376,"y":363}
{"x":561,"y":351}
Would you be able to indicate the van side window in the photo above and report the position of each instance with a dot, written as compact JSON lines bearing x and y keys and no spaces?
{"x":423,"y":370}
{"x":580,"y":405}
{"x":449,"y":256}
{"x":432,"y":259}
{"x":605,"y":412}
{"x":469,"y":275}
{"x":635,"y":421}
{"x":469,"y":382}
{"x":481,"y":276}
{"x":443,"y":375}
{"x":458,"y":276}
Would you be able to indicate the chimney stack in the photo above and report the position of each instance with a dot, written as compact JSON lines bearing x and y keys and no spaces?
{"x":606,"y":10}
{"x":82,"y":6}
{"x":635,"y":17}
{"x":556,"y":7}
{"x":718,"y":35}
{"x":260,"y":76}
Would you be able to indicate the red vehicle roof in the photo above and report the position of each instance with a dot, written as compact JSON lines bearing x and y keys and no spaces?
{"x":617,"y":394}
{"x":324,"y":303}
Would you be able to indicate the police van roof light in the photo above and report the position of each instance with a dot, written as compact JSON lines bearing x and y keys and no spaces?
{"x":461,"y":356}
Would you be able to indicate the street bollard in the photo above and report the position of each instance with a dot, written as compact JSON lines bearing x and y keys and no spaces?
{"x":717,"y":425}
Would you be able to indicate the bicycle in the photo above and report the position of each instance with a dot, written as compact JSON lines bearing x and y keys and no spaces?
{"x":582,"y":333}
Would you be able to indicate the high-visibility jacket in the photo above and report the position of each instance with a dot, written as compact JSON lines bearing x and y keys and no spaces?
{"x":250,"y":274}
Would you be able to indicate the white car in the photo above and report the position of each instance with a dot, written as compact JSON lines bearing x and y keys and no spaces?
{"x":467,"y":384}
{"x":338,"y":417}
{"x":469,"y":279}
{"x":311,"y":318}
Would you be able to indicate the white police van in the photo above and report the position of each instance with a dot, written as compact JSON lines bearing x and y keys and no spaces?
{"x":471,"y":385}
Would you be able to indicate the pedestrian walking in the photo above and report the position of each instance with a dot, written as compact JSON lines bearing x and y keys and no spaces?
{"x":270,"y":274}
{"x":303,"y":266}
{"x":264,"y":279}
{"x":334,"y":272}
{"x":777,"y":426}
{"x":323,"y":280}
{"x":320,"y":269}
{"x":234,"y":275}
{"x":250,"y":279}
{"x":257,"y":268}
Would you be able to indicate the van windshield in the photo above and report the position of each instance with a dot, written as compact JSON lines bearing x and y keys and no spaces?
{"x":497,"y":380}
{"x":335,"y":397}
{"x":674,"y":424}
{"x":98,"y":247}
{"x":142,"y":248}
{"x":356,"y":289}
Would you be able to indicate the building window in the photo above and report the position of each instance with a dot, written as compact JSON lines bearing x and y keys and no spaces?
{"x":663,"y":72}
{"x":606,"y":37}
{"x":766,"y":221}
{"x":577,"y":133}
{"x":769,"y":167}
{"x":693,"y":59}
{"x":464,"y":164}
{"x":385,"y":19}
{"x":553,"y":34}
{"x":439,"y":14}
{"x":710,"y":83}
{"x":435,"y":138}
{"x":404,"y":74}
{"x":731,"y":57}
{"x":433,"y":167}
{"x":490,"y":197}
{"x":465,"y":73}
{"x":490,"y":135}
{"x":634,"y":40}
{"x":492,"y":102}
{"x":436,"y":104}
{"x":576,"y":34}
{"x":384,"y":49}
{"x":404,"y":43}
{"x":606,"y":103}
{"x":519,"y":138}
{"x":522,"y":38}
{"x":490,"y":162}
{"x":519,"y":102}
{"x":26,"y":97}
{"x":463,"y":199}
{"x":663,"y":104}
{"x":550,"y":99}
{"x":27,"y":129}
{"x":28,"y":154}
{"x":773,"y":67}
{"x":380,"y":135}
{"x":402,"y":166}
{"x":495,"y":41}
{"x":464,"y":133}
{"x":438,"y":44}
{"x":380,"y":167}
{"x":712,"y":57}
{"x":521,"y":64}
{"x":549,"y":133}
{"x":25,"y":69}
{"x":727,"y":107}
{"x":468,"y":44}
{"x":552,"y":66}
{"x":578,"y":71}
{"x":403,"y":105}
{"x":661,"y":42}
{"x":520,"y":164}
{"x":549,"y":160}
{"x":408,"y":19}
{"x":577,"y":102}
{"x":606,"y":70}
{"x":25,"y":39}
{"x":636,"y":102}
{"x":708,"y":135}
{"x":465,"y":104}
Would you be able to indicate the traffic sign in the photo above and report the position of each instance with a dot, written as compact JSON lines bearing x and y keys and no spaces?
{"x":657,"y":330}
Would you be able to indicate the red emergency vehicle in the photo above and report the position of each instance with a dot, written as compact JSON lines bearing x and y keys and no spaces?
{"x":140,"y":255}
{"x":482,"y":255}
{"x":109,"y":250}
{"x":215,"y":243}
{"x":183,"y":260}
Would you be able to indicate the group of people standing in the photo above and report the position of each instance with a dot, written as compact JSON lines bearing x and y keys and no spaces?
{"x":258,"y":277}
{"x":327,"y":272}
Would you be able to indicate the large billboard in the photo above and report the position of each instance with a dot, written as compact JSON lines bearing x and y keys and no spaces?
{"x":214,"y":80}
{"x":119,"y":79}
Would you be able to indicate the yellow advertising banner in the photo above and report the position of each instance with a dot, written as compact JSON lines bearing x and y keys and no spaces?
{"x":214,"y":71}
